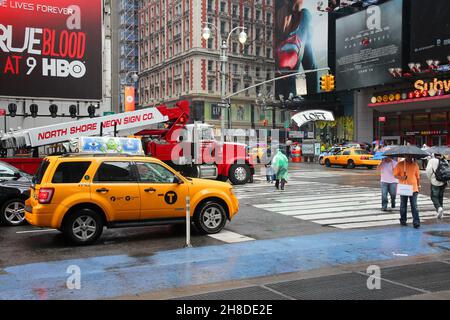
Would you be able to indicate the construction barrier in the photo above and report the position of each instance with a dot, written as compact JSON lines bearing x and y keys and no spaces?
{"x":296,"y":155}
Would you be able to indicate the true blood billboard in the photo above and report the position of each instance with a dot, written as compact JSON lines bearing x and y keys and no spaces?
{"x":51,"y":49}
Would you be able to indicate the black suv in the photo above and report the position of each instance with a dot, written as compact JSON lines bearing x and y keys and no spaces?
{"x":14,"y":190}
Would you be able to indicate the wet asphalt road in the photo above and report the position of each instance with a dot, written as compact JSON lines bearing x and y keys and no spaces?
{"x":20,"y":246}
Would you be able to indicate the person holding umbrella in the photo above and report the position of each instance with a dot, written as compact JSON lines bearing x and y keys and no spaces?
{"x":408,"y":174}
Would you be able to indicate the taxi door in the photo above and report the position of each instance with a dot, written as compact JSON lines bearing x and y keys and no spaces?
{"x":336,"y":159}
{"x":345,"y":157}
{"x":115,"y":186}
{"x":162,"y":196}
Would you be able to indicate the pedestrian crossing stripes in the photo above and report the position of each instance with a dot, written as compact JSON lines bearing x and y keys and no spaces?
{"x":342,"y":207}
{"x":261,"y":176}
{"x":230,"y":237}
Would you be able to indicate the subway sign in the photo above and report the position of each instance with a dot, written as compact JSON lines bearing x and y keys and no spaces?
{"x":421,"y":89}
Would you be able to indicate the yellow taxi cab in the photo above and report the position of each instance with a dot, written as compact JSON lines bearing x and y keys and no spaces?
{"x":81,"y":194}
{"x":351,"y":158}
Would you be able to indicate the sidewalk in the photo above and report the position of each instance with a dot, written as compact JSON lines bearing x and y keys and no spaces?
{"x":177,"y":273}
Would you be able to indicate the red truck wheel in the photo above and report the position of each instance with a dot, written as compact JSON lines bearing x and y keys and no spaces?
{"x":239,"y":174}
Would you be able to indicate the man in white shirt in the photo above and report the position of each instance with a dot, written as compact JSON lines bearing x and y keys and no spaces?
{"x":437,"y":187}
{"x":388,"y":183}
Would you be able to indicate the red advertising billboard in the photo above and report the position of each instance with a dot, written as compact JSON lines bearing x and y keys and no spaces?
{"x":130,"y":104}
{"x":51,"y":49}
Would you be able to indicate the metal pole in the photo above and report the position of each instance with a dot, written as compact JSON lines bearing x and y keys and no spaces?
{"x":188,"y":223}
{"x":223,"y":60}
{"x":276,"y":79}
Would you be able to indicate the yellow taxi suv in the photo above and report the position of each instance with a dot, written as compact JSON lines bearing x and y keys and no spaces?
{"x":351,"y":158}
{"x":81,"y":194}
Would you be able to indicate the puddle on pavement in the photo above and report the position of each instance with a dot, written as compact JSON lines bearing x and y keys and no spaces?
{"x":444,"y":244}
{"x":443,"y":234}
{"x":140,"y":258}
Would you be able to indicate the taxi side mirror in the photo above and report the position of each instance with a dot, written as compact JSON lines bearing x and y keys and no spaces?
{"x":177,"y":180}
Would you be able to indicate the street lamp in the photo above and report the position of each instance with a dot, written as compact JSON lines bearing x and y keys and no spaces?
{"x":206,"y":35}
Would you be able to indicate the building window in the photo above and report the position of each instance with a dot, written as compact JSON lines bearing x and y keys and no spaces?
{"x":211,"y":85}
{"x":235,"y":86}
{"x":210,"y":5}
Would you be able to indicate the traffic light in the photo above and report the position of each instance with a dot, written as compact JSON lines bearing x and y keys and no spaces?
{"x":331,"y":82}
{"x":327,"y":83}
{"x":324,"y":82}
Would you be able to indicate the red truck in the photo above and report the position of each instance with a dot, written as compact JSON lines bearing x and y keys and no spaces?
{"x":165,"y":133}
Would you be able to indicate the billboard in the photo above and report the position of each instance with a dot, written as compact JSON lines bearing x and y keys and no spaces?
{"x":130,"y":104}
{"x":51,"y":49}
{"x":430,"y":31}
{"x":301,"y":43}
{"x":368,"y":44}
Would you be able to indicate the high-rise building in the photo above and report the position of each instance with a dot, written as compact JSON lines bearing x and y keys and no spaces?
{"x":176,"y":62}
{"x":127,"y":46}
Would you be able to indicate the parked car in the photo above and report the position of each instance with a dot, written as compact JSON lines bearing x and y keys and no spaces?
{"x":14,"y":191}
{"x":9,"y":172}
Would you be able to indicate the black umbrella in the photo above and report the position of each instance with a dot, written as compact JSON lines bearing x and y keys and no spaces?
{"x":406,"y":151}
{"x":445,"y":151}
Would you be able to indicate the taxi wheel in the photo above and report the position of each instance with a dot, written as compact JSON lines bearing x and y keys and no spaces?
{"x":210,"y":218}
{"x":83,"y":227}
{"x":351,"y":164}
{"x":12,"y":213}
{"x":328,"y":163}
{"x":370,"y":167}
{"x":239,"y":174}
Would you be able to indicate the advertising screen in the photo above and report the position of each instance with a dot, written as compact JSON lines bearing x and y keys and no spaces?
{"x":368,"y":44}
{"x":51,"y":49}
{"x":430,"y":31}
{"x":301,"y":43}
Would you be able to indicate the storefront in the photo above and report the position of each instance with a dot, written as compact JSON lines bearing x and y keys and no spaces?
{"x":418,"y":117}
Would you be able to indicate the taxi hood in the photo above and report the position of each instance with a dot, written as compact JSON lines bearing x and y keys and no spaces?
{"x":210,"y":183}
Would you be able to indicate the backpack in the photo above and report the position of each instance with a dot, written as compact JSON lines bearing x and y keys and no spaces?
{"x":443,"y":171}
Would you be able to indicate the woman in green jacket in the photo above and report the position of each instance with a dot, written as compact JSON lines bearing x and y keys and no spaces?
{"x":280,"y":164}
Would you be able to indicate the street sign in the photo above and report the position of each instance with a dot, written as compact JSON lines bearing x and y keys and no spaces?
{"x":2,"y":112}
{"x":108,"y":113}
{"x":223,"y":105}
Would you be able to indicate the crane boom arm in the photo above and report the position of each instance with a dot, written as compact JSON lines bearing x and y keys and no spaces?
{"x":123,"y":123}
